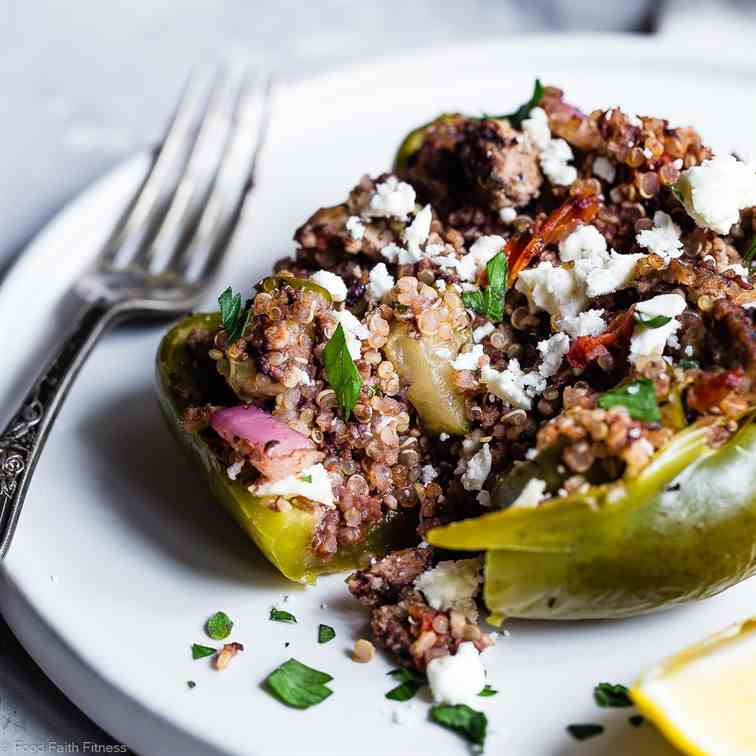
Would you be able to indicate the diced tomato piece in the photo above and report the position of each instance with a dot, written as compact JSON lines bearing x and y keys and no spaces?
{"x":586,"y":349}
{"x":709,"y":389}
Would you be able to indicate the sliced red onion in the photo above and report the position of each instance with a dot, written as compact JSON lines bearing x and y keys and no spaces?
{"x":270,"y":445}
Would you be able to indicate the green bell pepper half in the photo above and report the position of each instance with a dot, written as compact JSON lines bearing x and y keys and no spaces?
{"x":285,"y":538}
{"x":684,"y":528}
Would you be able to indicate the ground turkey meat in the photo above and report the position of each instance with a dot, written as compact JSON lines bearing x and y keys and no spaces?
{"x":384,"y":580}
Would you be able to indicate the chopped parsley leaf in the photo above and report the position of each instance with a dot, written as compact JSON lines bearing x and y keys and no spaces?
{"x":409,"y":683}
{"x":341,"y":372}
{"x":467,"y":722}
{"x":636,"y":720}
{"x":487,"y":692}
{"x":233,"y":314}
{"x":523,"y":111}
{"x":584,"y":731}
{"x":279,"y":615}
{"x":297,"y":685}
{"x":612,"y":696}
{"x":677,"y":192}
{"x":200,"y":652}
{"x":219,"y":626}
{"x":657,"y":321}
{"x":306,"y":478}
{"x":689,"y":364}
{"x":325,"y":633}
{"x":639,"y":397}
{"x":748,"y":257}
{"x":490,"y":301}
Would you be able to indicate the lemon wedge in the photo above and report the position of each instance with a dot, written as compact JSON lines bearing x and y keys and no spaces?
{"x":704,"y":698}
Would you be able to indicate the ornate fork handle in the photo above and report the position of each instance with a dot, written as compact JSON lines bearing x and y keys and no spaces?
{"x":23,"y":438}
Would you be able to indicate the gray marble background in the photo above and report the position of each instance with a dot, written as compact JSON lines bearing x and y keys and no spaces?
{"x":85,"y":83}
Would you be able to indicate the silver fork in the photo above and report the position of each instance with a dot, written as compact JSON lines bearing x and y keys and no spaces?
{"x":159,"y":258}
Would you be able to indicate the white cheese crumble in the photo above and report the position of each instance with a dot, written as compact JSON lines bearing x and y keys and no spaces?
{"x":391,"y":199}
{"x":312,"y":483}
{"x":452,"y":584}
{"x":303,"y":378}
{"x":588,"y":323}
{"x":477,"y":470}
{"x":554,"y":163}
{"x":553,"y":289}
{"x":332,"y":283}
{"x":532,"y":495}
{"x":663,"y":238}
{"x":480,"y":253}
{"x":428,"y":474}
{"x":416,"y":234}
{"x":552,"y":352}
{"x":513,"y":385}
{"x":739,"y":270}
{"x":650,"y":342}
{"x":355,"y":227}
{"x":380,"y":283}
{"x":233,"y":470}
{"x":481,"y":332}
{"x":584,"y":243}
{"x":353,"y":330}
{"x":716,"y":191}
{"x":444,"y":437}
{"x":507,"y":214}
{"x":457,"y":679}
{"x":603,"y":168}
{"x":536,"y":127}
{"x":469,"y":360}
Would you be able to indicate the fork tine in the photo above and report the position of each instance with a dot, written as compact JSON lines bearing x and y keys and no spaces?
{"x":199,"y":259}
{"x":195,"y":184}
{"x":133,"y":225}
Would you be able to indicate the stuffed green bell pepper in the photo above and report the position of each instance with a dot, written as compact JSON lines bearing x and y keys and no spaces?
{"x":283,"y":534}
{"x":684,"y":528}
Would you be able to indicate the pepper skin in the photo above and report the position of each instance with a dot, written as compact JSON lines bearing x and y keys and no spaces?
{"x":683,"y":529}
{"x":285,"y":538}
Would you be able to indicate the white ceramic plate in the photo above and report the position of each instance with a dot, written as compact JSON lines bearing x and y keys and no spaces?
{"x":121,"y":555}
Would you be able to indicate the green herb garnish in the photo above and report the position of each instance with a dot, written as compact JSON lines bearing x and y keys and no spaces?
{"x":410,"y":683}
{"x":677,"y":192}
{"x":639,"y":397}
{"x":306,"y":478}
{"x":689,"y":364}
{"x":584,"y":731}
{"x":490,"y":301}
{"x":655,"y":321}
{"x":297,"y":685}
{"x":233,"y":314}
{"x":612,"y":696}
{"x":219,"y":626}
{"x":341,"y":372}
{"x":467,"y":722}
{"x":325,"y":633}
{"x":279,"y":615}
{"x":487,"y":692}
{"x":200,"y":652}
{"x":636,"y":720}
{"x":748,"y":257}
{"x":523,"y":111}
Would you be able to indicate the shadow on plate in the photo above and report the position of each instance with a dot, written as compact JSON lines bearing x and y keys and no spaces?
{"x":151,"y":487}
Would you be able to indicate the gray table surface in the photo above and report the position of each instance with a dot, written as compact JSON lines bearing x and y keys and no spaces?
{"x":87,"y":83}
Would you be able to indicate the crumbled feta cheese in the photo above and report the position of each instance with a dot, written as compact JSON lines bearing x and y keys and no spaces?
{"x":553,"y":289}
{"x":481,"y":332}
{"x":469,"y":360}
{"x":434,"y":249}
{"x":678,"y":164}
{"x":353,"y":330}
{"x":444,"y":436}
{"x":716,"y":191}
{"x":233,"y":470}
{"x":380,"y":283}
{"x":507,"y":214}
{"x":604,"y":169}
{"x":355,"y":227}
{"x":483,"y":498}
{"x":477,"y":470}
{"x":391,"y":252}
{"x":663,"y":238}
{"x":513,"y":385}
{"x":531,"y":454}
{"x":554,"y":162}
{"x":615,"y":272}
{"x":303,"y":378}
{"x":332,"y":283}
{"x":647,"y":153}
{"x":536,"y":127}
{"x":416,"y":234}
{"x":650,"y":342}
{"x":588,"y":323}
{"x":532,"y":495}
{"x":457,"y":679}
{"x":739,"y":270}
{"x":480,"y":253}
{"x":428,"y":474}
{"x":584,"y":243}
{"x":391,"y":199}
{"x":552,"y":352}
{"x":452,"y":584}
{"x":688,"y":350}
{"x":312,"y":483}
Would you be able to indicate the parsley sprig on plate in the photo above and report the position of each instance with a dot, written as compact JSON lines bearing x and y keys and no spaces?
{"x":280,"y":615}
{"x":233,"y":314}
{"x":470,"y":724}
{"x":298,"y":685}
{"x":219,"y":626}
{"x":341,"y":372}
{"x":409,"y":683}
{"x":490,"y":301}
